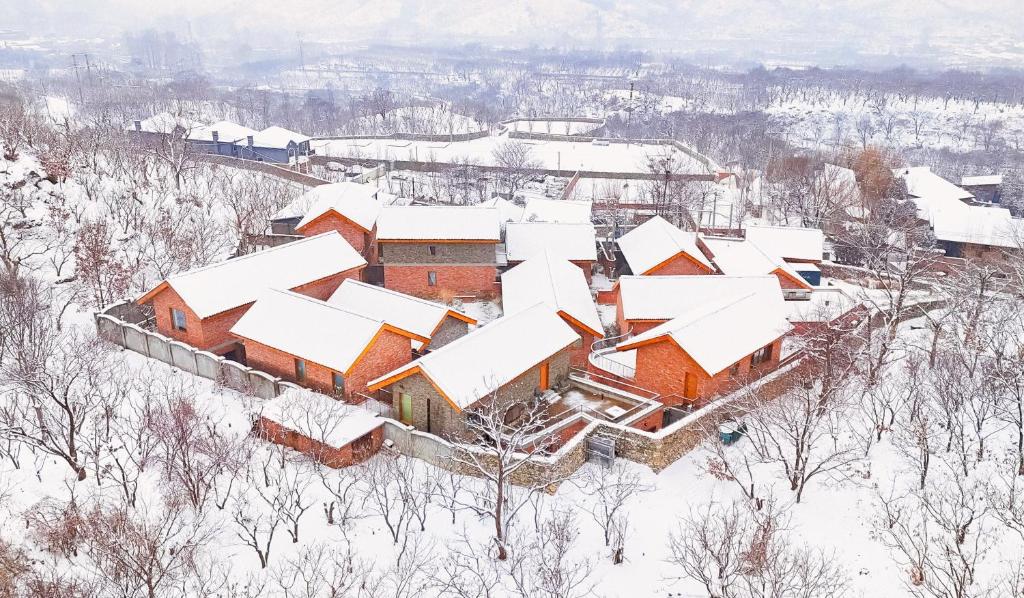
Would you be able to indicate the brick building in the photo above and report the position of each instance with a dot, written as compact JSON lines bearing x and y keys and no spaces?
{"x":656,"y":247}
{"x":711,"y":349}
{"x":742,"y":257}
{"x":200,"y":306}
{"x":349,"y":208}
{"x":516,"y":357}
{"x":326,"y":430}
{"x":433,"y":325}
{"x":319,"y":345}
{"x":643,"y":302}
{"x":561,"y":286}
{"x":439,"y":251}
{"x":574,"y":242}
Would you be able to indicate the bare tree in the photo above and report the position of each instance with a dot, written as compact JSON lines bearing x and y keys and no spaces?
{"x":610,"y":489}
{"x":506,"y":436}
{"x":321,"y":571}
{"x":515,"y":164}
{"x":545,"y":567}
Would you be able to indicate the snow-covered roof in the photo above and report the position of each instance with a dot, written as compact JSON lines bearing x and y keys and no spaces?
{"x":930,"y":191}
{"x":442,"y":223}
{"x":319,"y":417}
{"x":549,"y":278}
{"x":742,"y":257}
{"x":576,"y":242}
{"x":665,"y":297}
{"x":718,"y":334}
{"x":542,"y":209}
{"x":357,"y":202}
{"x":165,"y":122}
{"x":981,"y":180}
{"x":274,"y":137}
{"x":507,"y":211}
{"x":979,"y":225}
{"x":789,"y":242}
{"x":656,"y":241}
{"x":468,"y":369}
{"x":412,"y":314}
{"x":824,"y":305}
{"x":308,"y":328}
{"x":227,"y":132}
{"x":222,"y":286}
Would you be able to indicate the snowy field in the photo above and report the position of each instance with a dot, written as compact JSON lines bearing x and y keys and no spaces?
{"x":435,"y":120}
{"x":552,"y":127}
{"x":564,"y":155}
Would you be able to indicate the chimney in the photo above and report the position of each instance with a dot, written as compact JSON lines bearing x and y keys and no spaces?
{"x":248,"y":139}
{"x":216,"y":137}
{"x":138,"y":125}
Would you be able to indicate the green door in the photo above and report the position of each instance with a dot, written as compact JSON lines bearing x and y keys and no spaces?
{"x":405,"y":404}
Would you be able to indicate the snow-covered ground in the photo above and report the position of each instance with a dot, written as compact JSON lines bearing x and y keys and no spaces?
{"x":554,"y":155}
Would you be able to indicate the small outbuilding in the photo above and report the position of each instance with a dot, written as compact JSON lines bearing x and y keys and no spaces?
{"x":326,"y":430}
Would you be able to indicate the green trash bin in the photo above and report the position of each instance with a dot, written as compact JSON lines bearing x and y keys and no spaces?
{"x":730,"y":431}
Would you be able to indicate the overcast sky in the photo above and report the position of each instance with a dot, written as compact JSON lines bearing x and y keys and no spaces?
{"x":880,"y":26}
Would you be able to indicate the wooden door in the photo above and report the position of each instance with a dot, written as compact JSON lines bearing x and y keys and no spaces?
{"x":690,"y":386}
{"x":544,"y":375}
{"x":405,"y":408}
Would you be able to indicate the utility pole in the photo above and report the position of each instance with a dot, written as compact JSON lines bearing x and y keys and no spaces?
{"x":629,"y":105}
{"x":78,"y":78}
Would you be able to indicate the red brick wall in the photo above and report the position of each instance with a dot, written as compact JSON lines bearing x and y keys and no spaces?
{"x":203,"y":334}
{"x":281,"y":364}
{"x":636,"y":326}
{"x":578,"y":356}
{"x":650,"y":422}
{"x":328,"y":455}
{"x":661,"y":367}
{"x":358,"y":238}
{"x":478,"y":281}
{"x":325,"y":287}
{"x":388,"y":352}
{"x":680,"y":265}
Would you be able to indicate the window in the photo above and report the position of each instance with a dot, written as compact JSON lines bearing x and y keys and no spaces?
{"x":300,"y":370}
{"x":432,"y":249}
{"x":178,"y":319}
{"x":431,"y":279}
{"x":339,"y":383}
{"x":761,"y":355}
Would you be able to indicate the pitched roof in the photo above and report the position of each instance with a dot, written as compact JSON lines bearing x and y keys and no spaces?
{"x":319,"y":417}
{"x":357,"y":202}
{"x":468,"y":369}
{"x":718,"y":334}
{"x":981,"y":180}
{"x":507,"y":211}
{"x":423,"y":223}
{"x":308,"y":328}
{"x":980,"y":225}
{"x":543,"y":209}
{"x":930,"y":191}
{"x":789,"y":242}
{"x":165,"y":122}
{"x":417,"y":316}
{"x":554,"y":281}
{"x":656,"y":241}
{"x":524,"y":240}
{"x":274,"y":137}
{"x":227,"y":132}
{"x":665,"y":297}
{"x":742,"y":257}
{"x":222,"y":286}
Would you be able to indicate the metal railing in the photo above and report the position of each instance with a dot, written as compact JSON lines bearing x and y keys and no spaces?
{"x":601,"y":362}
